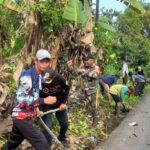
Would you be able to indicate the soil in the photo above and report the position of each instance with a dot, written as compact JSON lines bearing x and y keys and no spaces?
{"x":111,"y":123}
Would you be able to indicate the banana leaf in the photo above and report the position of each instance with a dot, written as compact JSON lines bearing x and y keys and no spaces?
{"x":86,"y":11}
{"x":77,"y":12}
{"x":135,"y":5}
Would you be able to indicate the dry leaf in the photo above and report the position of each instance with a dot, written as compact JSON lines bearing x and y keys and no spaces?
{"x":88,"y":38}
{"x":3,"y":92}
{"x":89,"y":26}
{"x":18,"y":71}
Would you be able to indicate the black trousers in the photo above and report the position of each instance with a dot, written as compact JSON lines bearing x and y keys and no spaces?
{"x":26,"y":129}
{"x":139,"y":88}
{"x":62,"y":118}
{"x":125,"y":79}
{"x":117,"y":100}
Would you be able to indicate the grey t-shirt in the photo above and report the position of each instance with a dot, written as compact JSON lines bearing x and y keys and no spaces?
{"x":137,"y":78}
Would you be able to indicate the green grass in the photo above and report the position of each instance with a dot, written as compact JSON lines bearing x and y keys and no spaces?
{"x":132,"y":100}
{"x":147,"y":88}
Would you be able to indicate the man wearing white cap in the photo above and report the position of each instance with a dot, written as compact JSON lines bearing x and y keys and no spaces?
{"x":28,"y":101}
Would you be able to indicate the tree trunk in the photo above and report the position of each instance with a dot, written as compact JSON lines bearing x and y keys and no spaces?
{"x":32,"y":42}
{"x":55,"y":52}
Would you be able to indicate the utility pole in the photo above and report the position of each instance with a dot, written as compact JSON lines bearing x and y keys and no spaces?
{"x":97,"y":12}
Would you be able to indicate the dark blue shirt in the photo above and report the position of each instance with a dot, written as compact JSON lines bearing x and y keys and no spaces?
{"x":112,"y":79}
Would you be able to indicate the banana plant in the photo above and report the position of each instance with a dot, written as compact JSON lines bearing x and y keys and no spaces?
{"x":9,"y":4}
{"x":77,"y":11}
{"x":133,"y":4}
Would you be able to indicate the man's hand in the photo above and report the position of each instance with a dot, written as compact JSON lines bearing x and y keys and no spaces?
{"x":97,"y":70}
{"x":39,"y":113}
{"x":50,"y":100}
{"x":80,"y":70}
{"x":62,"y":107}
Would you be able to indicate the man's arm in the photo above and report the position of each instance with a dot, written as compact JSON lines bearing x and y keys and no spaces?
{"x":94,"y":73}
{"x":65,"y":88}
{"x":74,"y":70}
{"x":133,"y":78}
{"x":65,"y":94}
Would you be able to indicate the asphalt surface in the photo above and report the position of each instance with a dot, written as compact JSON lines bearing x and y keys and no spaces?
{"x":126,"y":137}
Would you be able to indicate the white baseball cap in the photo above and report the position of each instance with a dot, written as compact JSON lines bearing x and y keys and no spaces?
{"x":42,"y":54}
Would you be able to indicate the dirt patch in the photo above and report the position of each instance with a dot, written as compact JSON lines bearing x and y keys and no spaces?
{"x":109,"y":125}
{"x":113,"y":122}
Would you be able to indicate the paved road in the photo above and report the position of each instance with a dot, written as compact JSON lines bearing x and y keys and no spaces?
{"x":126,"y":137}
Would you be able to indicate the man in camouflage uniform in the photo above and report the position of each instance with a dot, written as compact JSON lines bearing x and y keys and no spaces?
{"x":90,"y":85}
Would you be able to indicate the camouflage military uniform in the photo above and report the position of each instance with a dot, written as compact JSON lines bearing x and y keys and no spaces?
{"x":88,"y":92}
